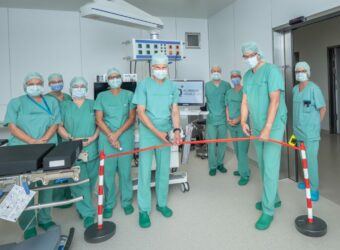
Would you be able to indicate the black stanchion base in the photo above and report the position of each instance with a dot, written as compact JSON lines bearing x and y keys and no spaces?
{"x":316,"y":229}
{"x":94,"y":235}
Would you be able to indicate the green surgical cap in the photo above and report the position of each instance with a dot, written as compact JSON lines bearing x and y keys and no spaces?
{"x":303,"y":65}
{"x":249,"y":47}
{"x":55,"y":76}
{"x":235,"y":72}
{"x":33,"y":75}
{"x":159,"y":59}
{"x":78,"y":80}
{"x":111,"y":71}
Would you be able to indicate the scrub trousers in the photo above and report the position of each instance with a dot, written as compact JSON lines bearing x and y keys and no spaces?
{"x":216,"y":151}
{"x":269,"y":160}
{"x":241,"y":151}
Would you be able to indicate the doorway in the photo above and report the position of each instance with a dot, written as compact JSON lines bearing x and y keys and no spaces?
{"x":334,"y":88}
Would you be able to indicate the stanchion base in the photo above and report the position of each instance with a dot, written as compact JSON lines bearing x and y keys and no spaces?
{"x":316,"y":229}
{"x":94,"y":235}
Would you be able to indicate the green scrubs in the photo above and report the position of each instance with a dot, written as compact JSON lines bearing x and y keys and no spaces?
{"x":306,"y":124}
{"x":116,"y":110}
{"x":216,"y":121}
{"x":61,"y":194}
{"x":158,"y":100}
{"x":258,"y":87}
{"x":80,"y":122}
{"x":233,"y":103}
{"x":25,"y":114}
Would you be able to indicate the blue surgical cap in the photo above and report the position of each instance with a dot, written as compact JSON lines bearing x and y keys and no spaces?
{"x":303,"y":65}
{"x":111,"y":71}
{"x":78,"y":80}
{"x":55,"y":76}
{"x":159,"y":59}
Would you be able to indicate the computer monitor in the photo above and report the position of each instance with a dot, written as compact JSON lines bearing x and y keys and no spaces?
{"x":103,"y":86}
{"x":191,"y":92}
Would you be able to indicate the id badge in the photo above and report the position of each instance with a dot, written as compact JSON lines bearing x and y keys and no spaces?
{"x":83,"y":156}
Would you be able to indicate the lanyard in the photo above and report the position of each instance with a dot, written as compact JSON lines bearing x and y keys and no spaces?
{"x":46,"y":108}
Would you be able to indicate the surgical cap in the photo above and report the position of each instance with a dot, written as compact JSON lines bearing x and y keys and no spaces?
{"x":111,"y":71}
{"x":303,"y":65}
{"x":33,"y":75}
{"x":251,"y":47}
{"x":159,"y":59}
{"x":235,"y":72}
{"x":55,"y":76}
{"x":78,"y":80}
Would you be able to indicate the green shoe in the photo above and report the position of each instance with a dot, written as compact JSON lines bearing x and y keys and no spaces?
{"x":30,"y":233}
{"x":47,"y":225}
{"x":88,"y":221}
{"x":107,"y":213}
{"x":263,"y":222}
{"x":212,"y":172}
{"x":236,"y":173}
{"x":165,"y":211}
{"x":222,"y":169}
{"x":258,"y":205}
{"x":128,"y":209}
{"x":243,"y":181}
{"x":144,"y":220}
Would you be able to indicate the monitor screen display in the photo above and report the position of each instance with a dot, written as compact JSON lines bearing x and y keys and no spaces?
{"x":191,"y":92}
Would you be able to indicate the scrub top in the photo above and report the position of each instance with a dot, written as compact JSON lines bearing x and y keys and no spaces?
{"x":32,"y":118}
{"x":157,"y":100}
{"x":216,"y":102}
{"x":306,"y":112}
{"x":258,"y":86}
{"x":80,"y":122}
{"x":233,"y":101}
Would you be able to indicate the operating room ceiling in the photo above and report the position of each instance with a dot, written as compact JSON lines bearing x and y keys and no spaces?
{"x":173,"y":8}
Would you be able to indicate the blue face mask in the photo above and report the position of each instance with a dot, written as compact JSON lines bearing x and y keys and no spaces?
{"x":160,"y":74}
{"x":301,"y":77}
{"x":34,"y":90}
{"x":236,"y":81}
{"x":216,"y":76}
{"x":78,"y":93}
{"x":115,"y":83}
{"x":56,"y":87}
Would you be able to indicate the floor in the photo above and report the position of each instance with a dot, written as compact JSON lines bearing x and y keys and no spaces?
{"x":215,"y":214}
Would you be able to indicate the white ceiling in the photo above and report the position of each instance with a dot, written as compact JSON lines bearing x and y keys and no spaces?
{"x":174,"y":8}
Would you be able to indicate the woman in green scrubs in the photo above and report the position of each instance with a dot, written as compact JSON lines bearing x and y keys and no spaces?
{"x":115,"y":115}
{"x":79,"y":123}
{"x":34,"y":119}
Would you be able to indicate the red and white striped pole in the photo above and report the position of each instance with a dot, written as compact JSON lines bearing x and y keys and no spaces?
{"x":307,"y":182}
{"x":103,"y":230}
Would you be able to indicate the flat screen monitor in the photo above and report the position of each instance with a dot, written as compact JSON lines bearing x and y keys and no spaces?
{"x":191,"y":92}
{"x":103,"y":86}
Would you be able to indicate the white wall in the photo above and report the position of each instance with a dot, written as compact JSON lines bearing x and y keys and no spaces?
{"x":313,"y":49}
{"x":60,"y":41}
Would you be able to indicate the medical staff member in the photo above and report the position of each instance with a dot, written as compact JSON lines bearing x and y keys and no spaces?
{"x":309,"y":110}
{"x":79,"y":123}
{"x":156,"y":98}
{"x":33,"y":119}
{"x":56,"y":83}
{"x":215,"y":92}
{"x":264,"y":101}
{"x":115,"y":116}
{"x":233,"y":102}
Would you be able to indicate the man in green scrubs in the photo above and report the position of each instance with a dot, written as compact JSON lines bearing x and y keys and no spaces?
{"x":215,"y":92}
{"x":233,"y":111}
{"x":264,"y":101}
{"x":309,"y":110}
{"x":116,"y":115}
{"x":156,"y":98}
{"x":79,"y":123}
{"x":56,"y":83}
{"x":33,"y":119}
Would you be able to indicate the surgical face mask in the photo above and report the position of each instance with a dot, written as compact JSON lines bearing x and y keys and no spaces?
{"x":301,"y":77}
{"x":216,"y":76}
{"x":34,"y":90}
{"x":252,"y":61}
{"x":160,"y":74}
{"x":115,"y":83}
{"x":79,"y":92}
{"x":236,"y":81}
{"x":56,"y":87}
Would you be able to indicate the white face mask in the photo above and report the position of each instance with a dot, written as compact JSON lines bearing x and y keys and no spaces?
{"x":252,"y":61}
{"x":301,"y":77}
{"x":34,"y":90}
{"x":216,"y":76}
{"x":160,"y":74}
{"x":78,"y":93}
{"x":115,"y":83}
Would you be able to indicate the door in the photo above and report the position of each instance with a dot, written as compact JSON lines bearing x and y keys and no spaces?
{"x":334,"y":89}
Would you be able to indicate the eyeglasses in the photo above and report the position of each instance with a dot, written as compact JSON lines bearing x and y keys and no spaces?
{"x":249,"y":56}
{"x":301,"y":71}
{"x":114,"y":77}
